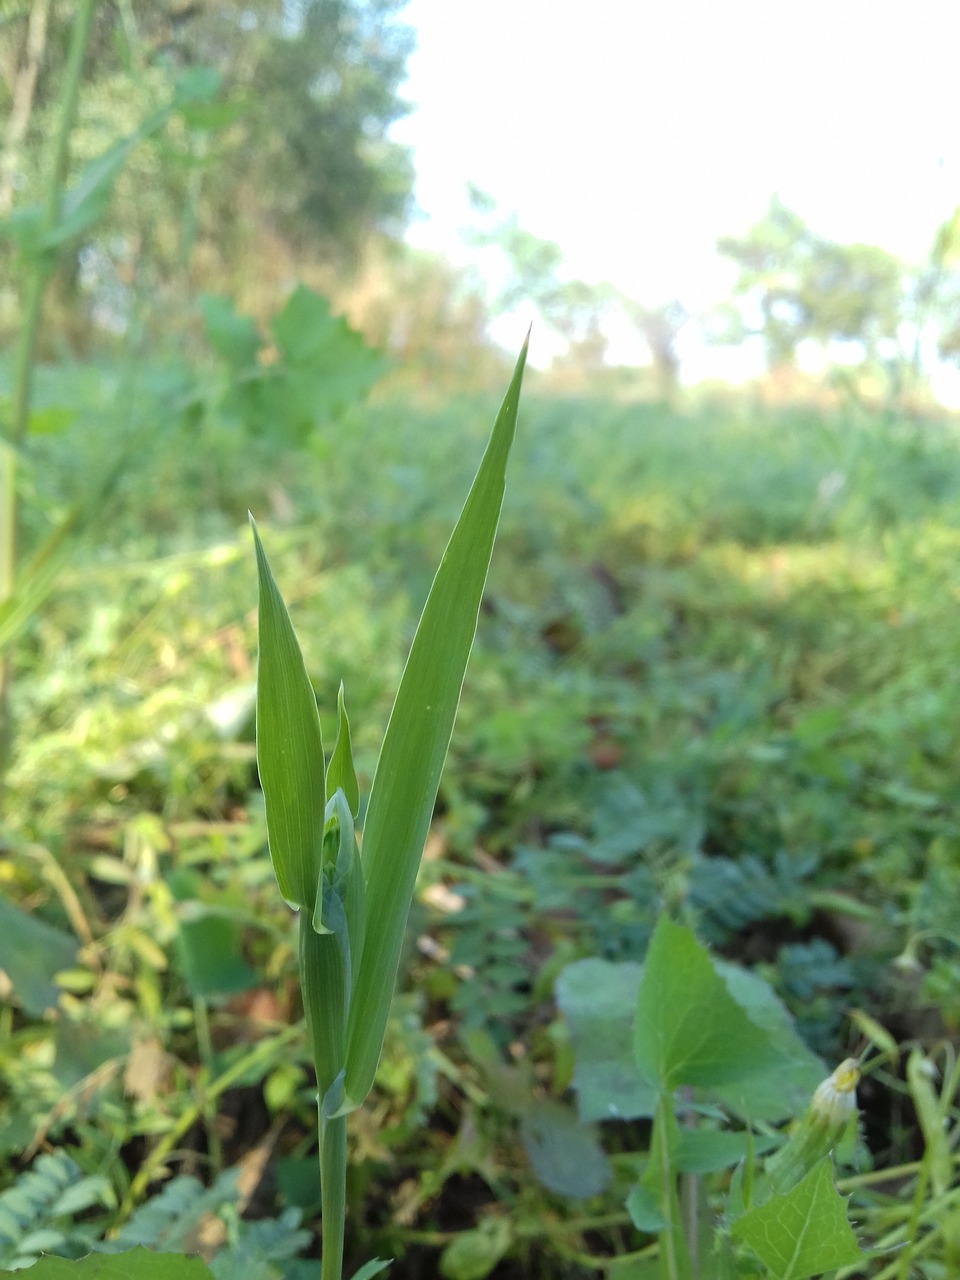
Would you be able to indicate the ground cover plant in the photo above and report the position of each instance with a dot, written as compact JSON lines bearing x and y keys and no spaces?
{"x":702,"y":692}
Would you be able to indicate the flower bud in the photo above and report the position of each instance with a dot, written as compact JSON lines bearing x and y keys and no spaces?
{"x":831,"y":1109}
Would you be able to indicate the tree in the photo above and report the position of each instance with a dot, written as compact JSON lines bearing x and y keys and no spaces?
{"x":661,"y":327}
{"x":296,"y":151}
{"x":795,"y":285}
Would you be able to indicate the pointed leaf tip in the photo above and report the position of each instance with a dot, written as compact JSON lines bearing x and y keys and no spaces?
{"x":289,"y":747}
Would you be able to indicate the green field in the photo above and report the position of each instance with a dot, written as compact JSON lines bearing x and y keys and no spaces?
{"x":714,"y":673}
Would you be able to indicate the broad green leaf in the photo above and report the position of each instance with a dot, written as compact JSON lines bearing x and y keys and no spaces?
{"x":706,"y":1150}
{"x":210,"y":947}
{"x":325,"y":366}
{"x":289,"y":748}
{"x":340,"y":770}
{"x":785,"y":1092}
{"x":565,"y":1154}
{"x":474,"y":1254}
{"x":644,"y":1210}
{"x":803,"y":1233}
{"x":415,"y":745}
{"x":598,"y":999}
{"x":689,"y":1029}
{"x":232,"y":336}
{"x":136,"y":1264}
{"x":31,"y":953}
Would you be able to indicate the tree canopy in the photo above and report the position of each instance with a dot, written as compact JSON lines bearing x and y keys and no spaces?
{"x":295,"y":148}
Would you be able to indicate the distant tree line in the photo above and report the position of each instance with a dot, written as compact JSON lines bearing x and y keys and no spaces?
{"x":855,"y":301}
{"x":289,"y":172}
{"x":293,"y":159}
{"x":796,"y":291}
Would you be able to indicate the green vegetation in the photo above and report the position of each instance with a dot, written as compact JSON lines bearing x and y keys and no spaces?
{"x":709,"y":677}
{"x":575,"y":1002}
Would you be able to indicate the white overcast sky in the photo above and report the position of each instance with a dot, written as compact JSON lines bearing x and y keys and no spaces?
{"x":636,"y":133}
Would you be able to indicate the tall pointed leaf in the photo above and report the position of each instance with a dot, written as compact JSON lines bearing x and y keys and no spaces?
{"x":289,"y":748}
{"x":415,"y":746}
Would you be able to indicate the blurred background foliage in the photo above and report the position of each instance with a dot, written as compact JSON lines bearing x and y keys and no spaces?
{"x":713,"y":671}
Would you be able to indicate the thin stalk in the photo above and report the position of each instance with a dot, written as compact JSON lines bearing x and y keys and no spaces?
{"x":201,"y":1023}
{"x":333,"y":1195}
{"x":674,"y":1254}
{"x":40,"y":272}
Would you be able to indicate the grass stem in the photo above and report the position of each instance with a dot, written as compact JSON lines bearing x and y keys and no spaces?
{"x":333,"y":1195}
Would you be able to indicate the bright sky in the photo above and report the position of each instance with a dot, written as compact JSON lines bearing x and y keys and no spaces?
{"x":635,"y":133}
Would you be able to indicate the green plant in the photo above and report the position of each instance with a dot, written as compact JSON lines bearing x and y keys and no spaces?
{"x":353,"y":915}
{"x":710,"y":1041}
{"x":41,"y":234}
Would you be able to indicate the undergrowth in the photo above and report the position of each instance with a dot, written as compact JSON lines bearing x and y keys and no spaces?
{"x":712,"y":676}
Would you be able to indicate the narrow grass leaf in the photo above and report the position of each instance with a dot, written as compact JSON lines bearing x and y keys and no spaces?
{"x":137,"y":1264}
{"x":415,"y":745}
{"x":323,"y":980}
{"x":289,"y":748}
{"x":933,"y":1122}
{"x":370,"y":1269}
{"x":340,"y":770}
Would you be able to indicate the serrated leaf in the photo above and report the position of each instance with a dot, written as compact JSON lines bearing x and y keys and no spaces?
{"x":689,"y":1029}
{"x":407,"y":776}
{"x":289,"y":747}
{"x":598,"y":998}
{"x":137,"y":1264}
{"x":803,"y":1233}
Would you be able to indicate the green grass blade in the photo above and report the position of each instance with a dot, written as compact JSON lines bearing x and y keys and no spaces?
{"x":289,"y":748}
{"x":340,"y":771}
{"x":415,"y":746}
{"x":323,"y":980}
